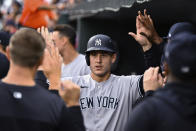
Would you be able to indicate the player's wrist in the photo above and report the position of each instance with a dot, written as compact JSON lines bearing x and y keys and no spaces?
{"x":72,"y":103}
{"x":157,"y":39}
{"x":55,"y":83}
{"x":146,"y":47}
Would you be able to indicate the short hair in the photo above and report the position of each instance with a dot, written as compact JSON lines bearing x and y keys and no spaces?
{"x":67,"y":31}
{"x":27,"y":47}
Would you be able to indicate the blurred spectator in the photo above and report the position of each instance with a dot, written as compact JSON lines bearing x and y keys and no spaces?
{"x":10,"y":26}
{"x":4,"y":66}
{"x":63,"y":5}
{"x":37,"y":13}
{"x":4,"y":63}
{"x":4,"y":41}
{"x":16,"y":9}
{"x":5,"y":6}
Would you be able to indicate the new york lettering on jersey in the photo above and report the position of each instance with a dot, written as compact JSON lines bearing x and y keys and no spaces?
{"x":99,"y":102}
{"x":106,"y":105}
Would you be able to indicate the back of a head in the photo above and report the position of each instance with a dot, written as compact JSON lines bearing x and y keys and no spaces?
{"x":26,"y":47}
{"x":67,"y":31}
{"x":181,"y":27}
{"x":180,"y":55}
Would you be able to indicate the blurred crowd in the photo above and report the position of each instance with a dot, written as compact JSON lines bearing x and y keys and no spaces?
{"x":17,"y":13}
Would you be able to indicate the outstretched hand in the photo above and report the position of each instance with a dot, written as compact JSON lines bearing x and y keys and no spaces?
{"x":147,"y":27}
{"x":70,"y":93}
{"x":52,"y":66}
{"x":47,"y":36}
{"x":142,"y":34}
{"x":152,"y":79}
{"x":145,"y":31}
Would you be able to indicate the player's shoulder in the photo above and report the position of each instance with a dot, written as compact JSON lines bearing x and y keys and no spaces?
{"x":78,"y":79}
{"x":126,"y":78}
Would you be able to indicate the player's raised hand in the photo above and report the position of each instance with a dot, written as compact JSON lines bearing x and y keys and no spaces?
{"x":152,"y":79}
{"x":70,"y":93}
{"x":52,"y":66}
{"x":46,"y":35}
{"x":140,"y":36}
{"x":147,"y":27}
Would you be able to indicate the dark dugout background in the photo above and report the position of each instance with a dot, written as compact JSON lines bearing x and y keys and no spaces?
{"x":101,"y":16}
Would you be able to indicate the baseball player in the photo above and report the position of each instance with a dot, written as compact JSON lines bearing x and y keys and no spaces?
{"x":106,"y":100}
{"x":26,"y":106}
{"x":173,"y":107}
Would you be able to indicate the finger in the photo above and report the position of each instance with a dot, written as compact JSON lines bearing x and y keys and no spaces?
{"x":57,"y":55}
{"x":161,"y":81}
{"x":132,"y":34}
{"x":53,"y":52}
{"x":141,"y":17}
{"x":62,"y":90}
{"x":150,"y":19}
{"x":151,"y":71}
{"x":38,"y":30}
{"x":51,"y":38}
{"x":141,"y":21}
{"x":139,"y":12}
{"x":138,"y":23}
{"x":46,"y":32}
{"x":148,"y":73}
{"x":43,"y":32}
{"x":145,"y":14}
{"x":156,"y":72}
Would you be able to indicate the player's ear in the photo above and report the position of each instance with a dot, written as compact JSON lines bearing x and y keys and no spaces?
{"x":8,"y":52}
{"x":65,"y":39}
{"x":113,"y":58}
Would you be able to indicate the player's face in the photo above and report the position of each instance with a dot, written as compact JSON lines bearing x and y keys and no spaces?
{"x":100,"y":62}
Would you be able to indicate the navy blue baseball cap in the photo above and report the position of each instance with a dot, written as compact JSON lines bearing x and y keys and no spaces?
{"x":4,"y":38}
{"x":10,"y":23}
{"x":180,"y":55}
{"x":101,"y":42}
{"x":181,"y":27}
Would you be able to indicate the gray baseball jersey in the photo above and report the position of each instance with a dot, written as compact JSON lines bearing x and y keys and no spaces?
{"x":78,"y":67}
{"x":107,"y":105}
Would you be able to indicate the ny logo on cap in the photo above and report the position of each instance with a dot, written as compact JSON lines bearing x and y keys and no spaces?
{"x":98,"y":42}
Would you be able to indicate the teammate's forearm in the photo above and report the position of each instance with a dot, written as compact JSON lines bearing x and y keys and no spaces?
{"x":47,"y":7}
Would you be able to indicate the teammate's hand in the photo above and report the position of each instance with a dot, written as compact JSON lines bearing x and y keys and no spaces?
{"x":147,"y":27}
{"x":52,"y":66}
{"x":142,"y":40}
{"x":70,"y":93}
{"x":46,"y":35}
{"x":141,"y":35}
{"x":152,"y":79}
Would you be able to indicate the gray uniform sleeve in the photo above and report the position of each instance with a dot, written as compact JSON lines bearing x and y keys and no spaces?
{"x":135,"y":88}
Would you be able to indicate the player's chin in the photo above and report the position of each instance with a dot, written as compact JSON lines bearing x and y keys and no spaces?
{"x":100,"y":73}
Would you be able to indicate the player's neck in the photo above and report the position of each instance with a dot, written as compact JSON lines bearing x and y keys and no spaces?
{"x":20,"y":76}
{"x":100,"y":78}
{"x":69,"y":55}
